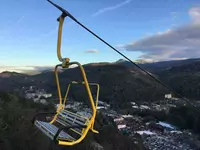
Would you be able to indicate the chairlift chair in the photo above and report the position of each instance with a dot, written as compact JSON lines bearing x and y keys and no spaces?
{"x":68,"y":128}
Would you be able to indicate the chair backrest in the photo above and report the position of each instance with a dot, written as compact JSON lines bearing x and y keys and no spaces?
{"x":82,"y":83}
{"x":67,"y":118}
{"x":95,"y":102}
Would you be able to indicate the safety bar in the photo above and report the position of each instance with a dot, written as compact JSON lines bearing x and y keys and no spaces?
{"x":85,"y":81}
{"x":67,"y":128}
{"x":75,"y":82}
{"x":43,"y":113}
{"x":92,"y":119}
{"x":97,"y":97}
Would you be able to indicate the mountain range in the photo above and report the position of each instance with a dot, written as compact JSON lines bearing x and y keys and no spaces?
{"x":120,"y":82}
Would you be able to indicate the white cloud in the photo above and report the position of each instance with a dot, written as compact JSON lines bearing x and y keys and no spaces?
{"x":29,"y":69}
{"x":195,"y":14}
{"x":92,"y":51}
{"x":174,"y":15}
{"x":103,"y":10}
{"x":20,"y":19}
{"x":12,"y":25}
{"x":24,"y":69}
{"x":19,"y":69}
{"x":179,"y":43}
{"x":51,"y":32}
{"x":164,"y":32}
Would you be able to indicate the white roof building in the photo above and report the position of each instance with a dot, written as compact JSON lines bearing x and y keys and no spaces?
{"x":121,"y":126}
{"x":168,"y":96}
{"x":43,"y":101}
{"x":127,"y":116}
{"x":118,"y":119}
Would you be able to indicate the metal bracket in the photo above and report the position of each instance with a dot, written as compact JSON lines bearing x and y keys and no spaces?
{"x":65,"y":63}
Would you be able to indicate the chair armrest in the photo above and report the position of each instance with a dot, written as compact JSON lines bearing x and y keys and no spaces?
{"x":67,"y":128}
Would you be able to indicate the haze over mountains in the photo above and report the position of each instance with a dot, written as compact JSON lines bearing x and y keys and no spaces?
{"x":160,"y":65}
{"x":32,"y":70}
{"x":120,"y":81}
{"x":121,"y":84}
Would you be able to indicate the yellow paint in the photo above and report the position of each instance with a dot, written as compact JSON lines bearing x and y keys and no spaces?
{"x":58,"y":87}
{"x":61,"y":21}
{"x":65,"y":64}
{"x":75,"y":114}
{"x":97,"y":97}
{"x":65,"y":98}
{"x":92,"y":119}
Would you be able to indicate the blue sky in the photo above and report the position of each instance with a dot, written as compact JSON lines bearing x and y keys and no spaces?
{"x":28,"y":29}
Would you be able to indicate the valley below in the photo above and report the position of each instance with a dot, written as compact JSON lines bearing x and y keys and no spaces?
{"x":134,"y":111}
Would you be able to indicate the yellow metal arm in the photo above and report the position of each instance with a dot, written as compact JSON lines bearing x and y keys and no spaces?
{"x":86,"y":124}
{"x":91,"y":84}
{"x":97,"y":97}
{"x":61,"y":21}
{"x":92,"y":119}
{"x":58,"y":84}
{"x":64,"y":61}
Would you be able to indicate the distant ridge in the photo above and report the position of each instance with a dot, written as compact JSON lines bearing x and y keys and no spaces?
{"x":138,"y":61}
{"x":121,"y":82}
{"x":7,"y":74}
{"x":98,"y":64}
{"x":159,"y":65}
{"x":150,"y":65}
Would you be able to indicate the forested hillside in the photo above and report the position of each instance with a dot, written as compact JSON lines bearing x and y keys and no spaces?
{"x":17,"y":131}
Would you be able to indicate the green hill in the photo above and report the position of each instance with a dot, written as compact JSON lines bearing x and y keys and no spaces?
{"x":119,"y":83}
{"x":17,"y":131}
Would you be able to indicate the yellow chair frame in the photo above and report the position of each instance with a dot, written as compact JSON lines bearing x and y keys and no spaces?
{"x":66,"y":64}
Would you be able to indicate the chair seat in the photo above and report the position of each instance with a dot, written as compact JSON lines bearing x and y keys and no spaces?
{"x":67,"y":118}
{"x":50,"y":130}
